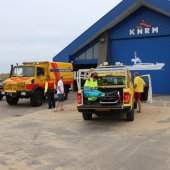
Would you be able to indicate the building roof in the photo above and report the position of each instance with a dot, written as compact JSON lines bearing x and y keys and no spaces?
{"x":112,"y":18}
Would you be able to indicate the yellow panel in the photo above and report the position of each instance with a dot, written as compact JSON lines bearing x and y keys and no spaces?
{"x":58,"y":69}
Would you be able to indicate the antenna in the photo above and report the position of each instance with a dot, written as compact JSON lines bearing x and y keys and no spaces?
{"x":135,"y":54}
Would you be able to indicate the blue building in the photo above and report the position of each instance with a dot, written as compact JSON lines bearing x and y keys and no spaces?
{"x":135,"y":33}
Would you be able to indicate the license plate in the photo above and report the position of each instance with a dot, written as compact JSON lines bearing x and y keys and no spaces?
{"x":103,"y":109}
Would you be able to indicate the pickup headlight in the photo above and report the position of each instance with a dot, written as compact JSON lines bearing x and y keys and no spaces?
{"x":20,"y":86}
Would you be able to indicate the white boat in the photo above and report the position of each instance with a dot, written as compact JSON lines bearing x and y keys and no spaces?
{"x":138,"y":65}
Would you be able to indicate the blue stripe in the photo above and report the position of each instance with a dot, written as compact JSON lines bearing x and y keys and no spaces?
{"x":60,"y":70}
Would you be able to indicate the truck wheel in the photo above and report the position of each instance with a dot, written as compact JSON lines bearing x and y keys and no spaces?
{"x":12,"y":100}
{"x":87,"y":116}
{"x":130,"y":115}
{"x":1,"y":96}
{"x":37,"y":98}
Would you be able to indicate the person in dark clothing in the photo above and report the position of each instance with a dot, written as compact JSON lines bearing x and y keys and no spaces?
{"x":50,"y":88}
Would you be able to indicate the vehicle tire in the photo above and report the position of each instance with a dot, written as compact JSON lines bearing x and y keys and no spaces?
{"x":130,"y":115}
{"x":12,"y":100}
{"x":87,"y":116}
{"x":37,"y":98}
{"x":1,"y":96}
{"x":135,"y":105}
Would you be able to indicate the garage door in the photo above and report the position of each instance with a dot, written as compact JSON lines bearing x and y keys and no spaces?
{"x":152,"y":56}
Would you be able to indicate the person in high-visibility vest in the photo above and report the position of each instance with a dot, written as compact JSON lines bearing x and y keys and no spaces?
{"x":50,"y":88}
{"x":139,"y":85}
{"x":91,"y":86}
{"x":91,"y":80}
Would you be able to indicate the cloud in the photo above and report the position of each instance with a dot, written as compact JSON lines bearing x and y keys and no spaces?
{"x":39,"y":29}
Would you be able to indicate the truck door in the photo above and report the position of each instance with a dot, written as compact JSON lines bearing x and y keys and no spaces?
{"x":40,"y":75}
{"x":147,"y":94}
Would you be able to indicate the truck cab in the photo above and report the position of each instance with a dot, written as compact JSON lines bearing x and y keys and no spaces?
{"x":26,"y":81}
{"x":116,"y":84}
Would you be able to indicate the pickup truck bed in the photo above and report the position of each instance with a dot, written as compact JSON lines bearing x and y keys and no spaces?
{"x":110,"y":81}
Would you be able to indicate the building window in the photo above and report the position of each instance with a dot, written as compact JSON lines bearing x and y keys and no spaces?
{"x":96,"y":50}
{"x":89,"y":53}
{"x":82,"y":56}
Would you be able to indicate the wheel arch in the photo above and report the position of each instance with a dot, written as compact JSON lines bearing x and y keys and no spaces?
{"x":36,"y":88}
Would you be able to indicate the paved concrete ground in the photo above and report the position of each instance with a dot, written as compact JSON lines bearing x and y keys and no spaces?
{"x":22,"y":108}
{"x":161,"y":100}
{"x":46,"y":140}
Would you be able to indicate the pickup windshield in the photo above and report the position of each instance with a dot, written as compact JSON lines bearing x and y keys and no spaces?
{"x":111,"y":80}
{"x":23,"y":71}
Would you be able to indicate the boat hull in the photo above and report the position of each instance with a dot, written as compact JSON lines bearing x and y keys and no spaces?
{"x":158,"y":66}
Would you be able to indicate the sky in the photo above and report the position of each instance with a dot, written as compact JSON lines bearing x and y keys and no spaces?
{"x":37,"y":30}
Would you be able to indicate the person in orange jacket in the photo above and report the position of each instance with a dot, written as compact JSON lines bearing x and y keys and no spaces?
{"x":50,"y":88}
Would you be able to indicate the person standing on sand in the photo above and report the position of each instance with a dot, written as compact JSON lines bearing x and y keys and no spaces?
{"x":49,"y":91}
{"x":60,"y":94}
{"x":139,"y":85}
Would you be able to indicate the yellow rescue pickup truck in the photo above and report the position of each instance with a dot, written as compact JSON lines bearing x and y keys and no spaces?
{"x":116,"y":85}
{"x":28,"y":80}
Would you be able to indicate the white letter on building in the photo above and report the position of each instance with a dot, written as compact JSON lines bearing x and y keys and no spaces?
{"x":139,"y":31}
{"x":132,"y":32}
{"x":147,"y":30}
{"x":155,"y":30}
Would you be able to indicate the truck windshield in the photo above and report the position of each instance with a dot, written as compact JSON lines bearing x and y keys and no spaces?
{"x":111,"y":80}
{"x":23,"y":71}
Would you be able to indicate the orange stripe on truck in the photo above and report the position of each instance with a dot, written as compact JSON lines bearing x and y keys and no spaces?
{"x":68,"y":82}
{"x":29,"y":87}
{"x":57,"y":74}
